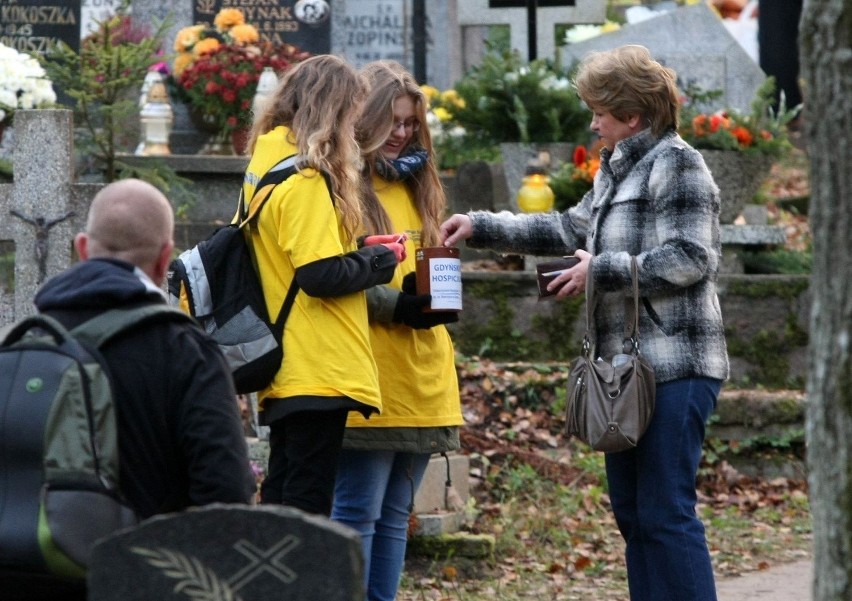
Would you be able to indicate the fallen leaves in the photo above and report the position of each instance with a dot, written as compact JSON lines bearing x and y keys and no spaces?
{"x":544,"y":499}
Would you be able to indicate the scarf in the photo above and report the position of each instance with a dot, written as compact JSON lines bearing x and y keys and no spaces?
{"x":408,"y":163}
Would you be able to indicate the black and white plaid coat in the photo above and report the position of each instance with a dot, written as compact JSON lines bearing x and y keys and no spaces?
{"x":653,"y":198}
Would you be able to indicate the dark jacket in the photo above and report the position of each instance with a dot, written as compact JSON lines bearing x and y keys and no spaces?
{"x":180,"y":437}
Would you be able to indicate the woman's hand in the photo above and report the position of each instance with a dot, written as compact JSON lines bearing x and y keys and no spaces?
{"x":573,"y":281}
{"x":456,"y":228}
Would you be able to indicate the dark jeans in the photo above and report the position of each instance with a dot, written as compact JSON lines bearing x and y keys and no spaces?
{"x":303,"y":452}
{"x":652,"y":489}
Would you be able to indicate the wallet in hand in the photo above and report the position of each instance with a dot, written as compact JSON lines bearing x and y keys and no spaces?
{"x":546,"y":272}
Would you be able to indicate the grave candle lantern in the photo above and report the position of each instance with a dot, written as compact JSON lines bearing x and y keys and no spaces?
{"x":156,"y":118}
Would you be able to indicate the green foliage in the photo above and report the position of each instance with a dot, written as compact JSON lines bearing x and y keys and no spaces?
{"x":567,"y":189}
{"x":498,"y":338}
{"x":779,"y":261}
{"x":7,"y":268}
{"x":103,"y":82}
{"x":506,"y":100}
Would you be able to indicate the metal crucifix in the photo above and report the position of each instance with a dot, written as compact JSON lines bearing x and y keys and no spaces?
{"x":42,"y":231}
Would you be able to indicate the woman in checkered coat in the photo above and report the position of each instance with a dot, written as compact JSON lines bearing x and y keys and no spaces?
{"x":653,"y":198}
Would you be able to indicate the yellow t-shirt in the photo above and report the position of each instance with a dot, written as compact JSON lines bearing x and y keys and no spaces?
{"x":417,"y":371}
{"x":326,"y":341}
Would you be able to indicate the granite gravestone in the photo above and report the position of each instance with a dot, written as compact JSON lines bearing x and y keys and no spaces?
{"x":367,"y":30}
{"x":302,"y":23}
{"x":229,"y":552}
{"x":93,"y":12}
{"x":36,"y":26}
{"x":42,"y":210}
{"x":693,"y":41}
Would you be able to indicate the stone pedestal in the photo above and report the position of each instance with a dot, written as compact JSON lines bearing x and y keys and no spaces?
{"x":739,"y":177}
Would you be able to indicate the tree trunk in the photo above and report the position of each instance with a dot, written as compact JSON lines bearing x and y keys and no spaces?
{"x":826,"y":67}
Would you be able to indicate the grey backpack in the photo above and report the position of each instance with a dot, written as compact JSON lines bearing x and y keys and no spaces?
{"x":59,"y":464}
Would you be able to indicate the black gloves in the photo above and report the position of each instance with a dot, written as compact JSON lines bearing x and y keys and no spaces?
{"x":409,"y":308}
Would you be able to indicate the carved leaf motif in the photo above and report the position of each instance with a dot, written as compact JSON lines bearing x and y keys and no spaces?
{"x":195,"y":580}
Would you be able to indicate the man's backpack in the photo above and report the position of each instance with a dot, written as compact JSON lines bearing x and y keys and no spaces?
{"x":217,"y":282}
{"x":59,"y":463}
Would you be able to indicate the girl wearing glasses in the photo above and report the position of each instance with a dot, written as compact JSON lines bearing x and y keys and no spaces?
{"x":384,"y":458}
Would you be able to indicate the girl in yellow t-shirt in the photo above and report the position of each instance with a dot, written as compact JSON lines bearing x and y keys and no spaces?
{"x":384,"y":459}
{"x":306,"y":234}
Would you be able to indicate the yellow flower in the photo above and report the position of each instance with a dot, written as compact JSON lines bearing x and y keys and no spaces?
{"x":431,"y":92}
{"x":442,"y":114}
{"x":244,"y":34}
{"x":187,"y":37}
{"x":610,"y":26}
{"x":452,"y":97}
{"x":181,"y":62}
{"x":205,"y":45}
{"x":228,"y":18}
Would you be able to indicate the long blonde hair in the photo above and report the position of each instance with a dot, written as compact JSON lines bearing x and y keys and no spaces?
{"x":388,"y":80}
{"x":319,"y":100}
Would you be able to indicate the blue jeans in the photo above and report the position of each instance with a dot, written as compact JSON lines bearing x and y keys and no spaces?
{"x":652,"y":489}
{"x":374,"y":494}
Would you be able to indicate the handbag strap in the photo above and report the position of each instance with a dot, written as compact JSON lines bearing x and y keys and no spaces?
{"x":631,"y":330}
{"x":634,"y":331}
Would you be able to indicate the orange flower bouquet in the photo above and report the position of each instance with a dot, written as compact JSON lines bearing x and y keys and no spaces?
{"x":572,"y":180}
{"x":762,"y":131}
{"x":217,"y":69}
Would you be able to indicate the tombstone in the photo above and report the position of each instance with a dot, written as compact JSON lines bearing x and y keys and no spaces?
{"x":229,"y":552}
{"x":693,"y":41}
{"x":42,"y":210}
{"x":93,"y":12}
{"x":473,"y":15}
{"x":303,"y":23}
{"x":368,"y":30}
{"x":38,"y":25}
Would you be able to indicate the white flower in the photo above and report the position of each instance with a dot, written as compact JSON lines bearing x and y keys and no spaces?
{"x":23,"y":83}
{"x":581,"y":33}
{"x":432,"y":120}
{"x":554,"y":83}
{"x":457,"y":132}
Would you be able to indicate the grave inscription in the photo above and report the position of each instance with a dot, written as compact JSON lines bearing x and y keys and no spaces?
{"x":38,"y":25}
{"x":302,"y":23}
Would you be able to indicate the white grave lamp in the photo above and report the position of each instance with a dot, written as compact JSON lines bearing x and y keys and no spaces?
{"x":156,"y":118}
{"x":265,"y":86}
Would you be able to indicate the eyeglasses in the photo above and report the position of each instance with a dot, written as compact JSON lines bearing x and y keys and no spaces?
{"x":410,"y":125}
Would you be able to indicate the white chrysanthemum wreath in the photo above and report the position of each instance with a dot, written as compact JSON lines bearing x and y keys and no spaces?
{"x":23,"y":83}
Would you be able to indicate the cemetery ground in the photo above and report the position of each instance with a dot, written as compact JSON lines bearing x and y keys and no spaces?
{"x":544,"y":502}
{"x":543,"y":499}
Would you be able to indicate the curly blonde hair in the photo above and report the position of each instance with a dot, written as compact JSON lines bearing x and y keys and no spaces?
{"x":319,"y":100}
{"x":627,"y":81}
{"x":388,"y":80}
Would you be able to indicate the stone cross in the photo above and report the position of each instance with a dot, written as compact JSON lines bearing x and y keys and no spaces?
{"x":476,"y":13}
{"x":42,"y":210}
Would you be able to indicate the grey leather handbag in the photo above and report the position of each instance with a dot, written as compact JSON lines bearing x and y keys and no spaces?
{"x":610,"y":402}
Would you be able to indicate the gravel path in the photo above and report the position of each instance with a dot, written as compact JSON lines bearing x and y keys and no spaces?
{"x":784,"y":582}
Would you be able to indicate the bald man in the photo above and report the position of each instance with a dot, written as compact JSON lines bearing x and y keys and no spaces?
{"x":180,"y":437}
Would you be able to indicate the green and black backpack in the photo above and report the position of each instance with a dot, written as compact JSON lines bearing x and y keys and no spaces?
{"x":59,"y":463}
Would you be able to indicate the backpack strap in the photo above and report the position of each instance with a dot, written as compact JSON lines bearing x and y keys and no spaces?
{"x":247,"y":213}
{"x":283,"y":169}
{"x":98,"y":330}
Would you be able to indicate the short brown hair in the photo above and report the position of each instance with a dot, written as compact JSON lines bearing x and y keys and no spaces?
{"x":627,"y":81}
